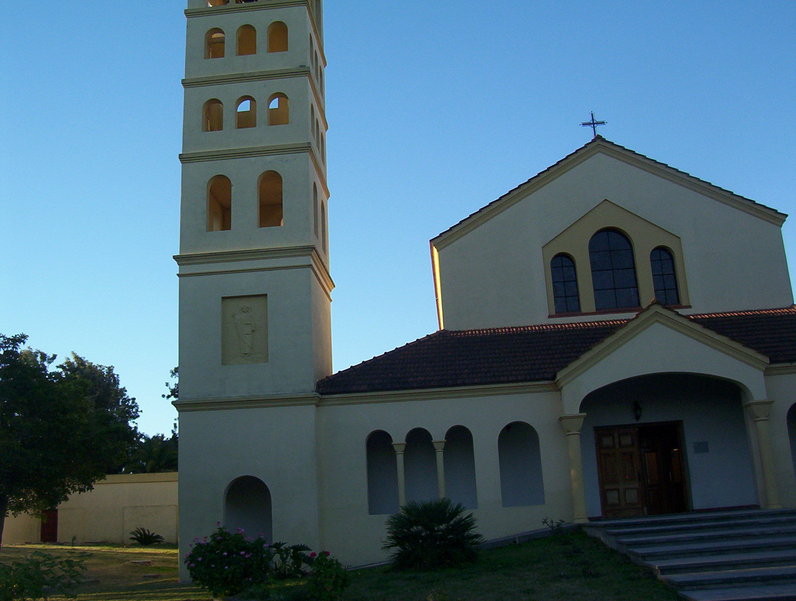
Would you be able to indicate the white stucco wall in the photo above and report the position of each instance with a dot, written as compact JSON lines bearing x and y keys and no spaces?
{"x":733,"y":260}
{"x":349,"y":530}
{"x":118,"y":504}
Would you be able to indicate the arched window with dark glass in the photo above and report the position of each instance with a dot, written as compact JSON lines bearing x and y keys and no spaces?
{"x":565,"y":284}
{"x":664,"y":277}
{"x":613,"y":271}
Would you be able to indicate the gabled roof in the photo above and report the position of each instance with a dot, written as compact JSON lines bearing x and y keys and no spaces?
{"x":453,"y":358}
{"x":596,"y":145}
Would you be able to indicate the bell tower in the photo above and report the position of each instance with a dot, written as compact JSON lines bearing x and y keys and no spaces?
{"x":253,"y":262}
{"x":254,"y":301}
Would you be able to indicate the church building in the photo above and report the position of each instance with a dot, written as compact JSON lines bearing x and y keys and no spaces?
{"x":616,"y":337}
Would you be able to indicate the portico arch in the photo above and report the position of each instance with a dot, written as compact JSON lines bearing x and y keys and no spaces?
{"x":247,"y":505}
{"x":666,"y":442}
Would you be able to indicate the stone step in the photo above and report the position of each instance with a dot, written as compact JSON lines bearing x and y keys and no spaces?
{"x":727,"y":578}
{"x":727,"y":561}
{"x":688,"y":518}
{"x":745,"y":521}
{"x":727,"y":533}
{"x":750,"y":544}
{"x":760,"y":592}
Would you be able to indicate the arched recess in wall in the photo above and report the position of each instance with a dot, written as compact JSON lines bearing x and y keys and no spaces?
{"x":520,"y":465}
{"x":246,"y":112}
{"x":219,"y":204}
{"x":324,"y":229}
{"x":246,"y":40}
{"x":315,"y":209}
{"x":277,"y":37}
{"x":420,"y":467}
{"x":278,"y":109}
{"x":213,"y":115}
{"x":792,"y":434}
{"x":270,"y":199}
{"x":459,"y":465}
{"x":214,"y":43}
{"x":247,"y":505}
{"x":382,"y":474}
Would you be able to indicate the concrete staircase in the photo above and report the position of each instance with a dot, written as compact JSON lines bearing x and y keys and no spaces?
{"x":745,"y":555}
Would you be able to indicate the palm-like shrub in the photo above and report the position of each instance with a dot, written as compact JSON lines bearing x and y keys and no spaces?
{"x":431,"y":534}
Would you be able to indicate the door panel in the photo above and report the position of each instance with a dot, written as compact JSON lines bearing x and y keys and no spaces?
{"x":618,"y":460}
{"x":641,"y":469}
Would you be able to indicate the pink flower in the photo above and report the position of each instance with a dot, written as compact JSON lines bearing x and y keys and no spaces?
{"x":313,"y":554}
{"x":326,"y":553}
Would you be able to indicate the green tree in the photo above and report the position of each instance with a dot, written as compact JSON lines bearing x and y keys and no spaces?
{"x":61,"y":428}
{"x":156,"y":453}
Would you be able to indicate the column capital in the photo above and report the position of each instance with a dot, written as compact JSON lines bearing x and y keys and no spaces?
{"x":439,"y":445}
{"x":759,"y":410}
{"x":399,"y":447}
{"x":572,"y":423}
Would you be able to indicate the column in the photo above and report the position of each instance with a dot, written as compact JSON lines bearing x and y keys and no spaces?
{"x":399,"y":448}
{"x":759,"y":412}
{"x":571,"y":425}
{"x":439,"y":445}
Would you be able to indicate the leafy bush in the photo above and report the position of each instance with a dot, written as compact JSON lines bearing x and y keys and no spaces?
{"x":145,"y":537}
{"x":227,"y":563}
{"x":328,"y":578}
{"x":39,"y":576}
{"x":289,"y":560}
{"x":431,"y":535}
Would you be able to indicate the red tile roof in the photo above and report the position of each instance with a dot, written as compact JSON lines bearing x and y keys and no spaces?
{"x":450,"y":358}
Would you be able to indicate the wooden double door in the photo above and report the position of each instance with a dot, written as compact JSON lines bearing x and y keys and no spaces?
{"x":641,"y":469}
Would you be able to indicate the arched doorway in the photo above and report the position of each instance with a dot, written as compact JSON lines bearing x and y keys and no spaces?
{"x":665,"y":443}
{"x":248,"y":506}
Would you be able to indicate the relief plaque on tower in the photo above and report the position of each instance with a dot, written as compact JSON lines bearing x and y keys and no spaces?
{"x":244,"y":329}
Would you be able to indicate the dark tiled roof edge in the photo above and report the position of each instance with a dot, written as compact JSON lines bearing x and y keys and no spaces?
{"x":452,"y":358}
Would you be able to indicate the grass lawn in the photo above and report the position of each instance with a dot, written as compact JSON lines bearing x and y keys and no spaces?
{"x":566,"y":567}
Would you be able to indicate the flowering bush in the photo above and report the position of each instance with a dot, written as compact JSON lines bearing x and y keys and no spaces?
{"x":328,"y":578}
{"x":227,"y":563}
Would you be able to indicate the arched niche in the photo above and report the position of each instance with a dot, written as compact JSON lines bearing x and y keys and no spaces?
{"x":247,"y":505}
{"x":420,"y":466}
{"x":382,"y":474}
{"x":460,"y":486}
{"x":520,"y":466}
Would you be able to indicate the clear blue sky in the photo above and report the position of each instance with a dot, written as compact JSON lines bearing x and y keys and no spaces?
{"x":435,"y":109}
